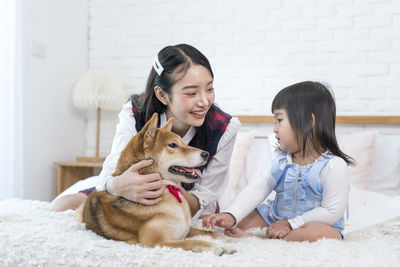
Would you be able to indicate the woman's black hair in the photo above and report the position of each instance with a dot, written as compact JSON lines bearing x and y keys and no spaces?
{"x":303,"y":100}
{"x":175,"y":60}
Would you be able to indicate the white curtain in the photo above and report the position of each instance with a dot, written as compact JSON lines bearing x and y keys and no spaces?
{"x":10,"y":122}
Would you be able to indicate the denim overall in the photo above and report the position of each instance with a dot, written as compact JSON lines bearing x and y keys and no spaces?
{"x":297,"y":190}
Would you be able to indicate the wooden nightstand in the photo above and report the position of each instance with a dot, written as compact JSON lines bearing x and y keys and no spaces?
{"x":69,"y":173}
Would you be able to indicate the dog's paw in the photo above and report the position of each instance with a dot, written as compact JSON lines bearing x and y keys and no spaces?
{"x":228,"y":239}
{"x":223,"y":250}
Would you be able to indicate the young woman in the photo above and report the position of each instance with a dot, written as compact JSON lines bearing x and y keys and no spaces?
{"x":180,"y":85}
{"x":309,"y":175}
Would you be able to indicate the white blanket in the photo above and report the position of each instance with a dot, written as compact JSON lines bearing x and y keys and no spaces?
{"x":32,"y":235}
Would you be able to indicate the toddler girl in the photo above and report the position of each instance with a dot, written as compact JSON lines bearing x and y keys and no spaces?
{"x":309,"y":175}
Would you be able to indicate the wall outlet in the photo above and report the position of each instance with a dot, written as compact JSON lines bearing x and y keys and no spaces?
{"x":39,"y":50}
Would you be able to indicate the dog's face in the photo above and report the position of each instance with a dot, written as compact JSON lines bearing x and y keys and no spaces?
{"x":173,"y":159}
{"x":176,"y":160}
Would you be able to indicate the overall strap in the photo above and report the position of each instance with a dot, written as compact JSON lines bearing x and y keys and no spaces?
{"x":315,"y":172}
{"x":279,"y":166}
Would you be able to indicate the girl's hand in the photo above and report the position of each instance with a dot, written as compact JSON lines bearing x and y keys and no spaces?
{"x":279,"y":229}
{"x":144,"y":189}
{"x":236,"y":232}
{"x":225,"y":220}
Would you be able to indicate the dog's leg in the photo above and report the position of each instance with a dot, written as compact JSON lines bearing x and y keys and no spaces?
{"x":164,"y":238}
{"x":197,"y":246}
{"x":194,"y":232}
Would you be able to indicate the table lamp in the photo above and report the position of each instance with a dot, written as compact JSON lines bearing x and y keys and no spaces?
{"x":98,"y":90}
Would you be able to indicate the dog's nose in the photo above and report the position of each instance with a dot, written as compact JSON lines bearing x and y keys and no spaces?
{"x":204,"y":154}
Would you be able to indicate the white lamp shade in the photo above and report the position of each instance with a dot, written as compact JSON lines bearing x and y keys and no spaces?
{"x":99,"y":90}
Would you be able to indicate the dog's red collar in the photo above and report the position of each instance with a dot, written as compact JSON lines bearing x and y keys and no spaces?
{"x":175,"y":191}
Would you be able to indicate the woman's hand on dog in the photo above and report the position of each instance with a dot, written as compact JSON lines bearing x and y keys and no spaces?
{"x":225,"y":220}
{"x":144,"y":189}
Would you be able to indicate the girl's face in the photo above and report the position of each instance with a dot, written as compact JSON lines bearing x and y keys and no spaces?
{"x":284,"y":133}
{"x":190,"y":99}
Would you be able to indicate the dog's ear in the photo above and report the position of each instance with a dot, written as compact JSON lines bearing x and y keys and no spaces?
{"x":168,"y":125}
{"x":150,"y":131}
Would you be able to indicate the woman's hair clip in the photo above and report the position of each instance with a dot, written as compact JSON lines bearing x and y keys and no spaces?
{"x":157,"y":66}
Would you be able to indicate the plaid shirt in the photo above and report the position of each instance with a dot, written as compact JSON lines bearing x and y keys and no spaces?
{"x":139,"y":114}
{"x":216,"y":120}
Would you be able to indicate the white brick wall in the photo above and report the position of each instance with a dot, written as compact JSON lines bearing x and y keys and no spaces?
{"x":257,"y":47}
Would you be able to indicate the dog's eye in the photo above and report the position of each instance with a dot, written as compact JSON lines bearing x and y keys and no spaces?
{"x":173,"y":145}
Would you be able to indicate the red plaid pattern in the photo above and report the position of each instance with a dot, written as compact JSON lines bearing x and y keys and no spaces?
{"x":87,"y":191}
{"x":217,"y":121}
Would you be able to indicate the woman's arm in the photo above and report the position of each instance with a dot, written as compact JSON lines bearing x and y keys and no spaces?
{"x":125,"y":130}
{"x":193,"y":201}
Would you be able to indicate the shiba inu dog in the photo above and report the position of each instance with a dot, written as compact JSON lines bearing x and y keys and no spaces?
{"x":168,"y":222}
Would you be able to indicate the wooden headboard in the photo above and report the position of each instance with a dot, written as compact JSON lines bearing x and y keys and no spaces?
{"x":339,"y":119}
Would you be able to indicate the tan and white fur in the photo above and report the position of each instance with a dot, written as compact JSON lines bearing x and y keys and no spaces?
{"x":164,"y":224}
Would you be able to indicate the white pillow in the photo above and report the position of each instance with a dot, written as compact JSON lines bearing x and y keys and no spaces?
{"x":368,"y":208}
{"x":385,"y":173}
{"x":242,"y":144}
{"x":260,"y":155}
{"x":359,"y":146}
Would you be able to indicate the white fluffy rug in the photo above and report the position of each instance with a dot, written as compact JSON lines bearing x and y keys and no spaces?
{"x":31,"y":235}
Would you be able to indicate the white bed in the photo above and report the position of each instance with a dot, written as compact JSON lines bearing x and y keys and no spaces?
{"x":32,"y":235}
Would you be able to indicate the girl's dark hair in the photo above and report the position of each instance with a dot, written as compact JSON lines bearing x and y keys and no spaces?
{"x":300,"y":101}
{"x":175,"y":60}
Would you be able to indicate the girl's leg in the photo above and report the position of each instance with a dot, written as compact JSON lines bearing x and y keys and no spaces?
{"x":252,"y":220}
{"x":72,"y":201}
{"x":312,"y":232}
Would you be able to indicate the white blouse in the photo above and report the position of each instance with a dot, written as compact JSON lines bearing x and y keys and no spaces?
{"x":215,"y":176}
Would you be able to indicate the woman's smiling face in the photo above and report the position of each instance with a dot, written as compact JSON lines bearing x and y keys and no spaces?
{"x":190,"y":99}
